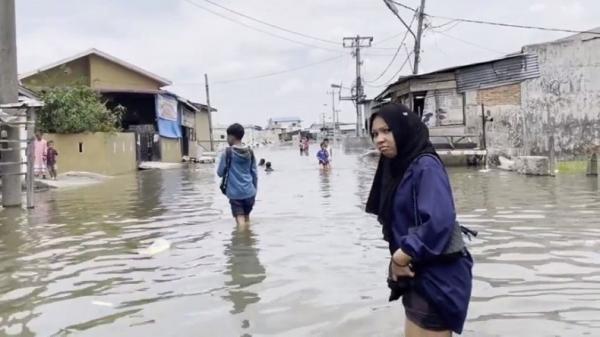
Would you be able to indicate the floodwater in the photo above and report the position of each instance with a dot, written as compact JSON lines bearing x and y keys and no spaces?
{"x":313,"y":264}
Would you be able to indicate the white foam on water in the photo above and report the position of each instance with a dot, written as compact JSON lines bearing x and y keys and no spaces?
{"x":520,"y":216}
{"x":103,"y":304}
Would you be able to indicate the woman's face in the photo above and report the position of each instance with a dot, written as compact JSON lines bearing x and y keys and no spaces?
{"x":384,"y":138}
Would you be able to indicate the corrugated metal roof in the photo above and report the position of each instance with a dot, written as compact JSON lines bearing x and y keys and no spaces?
{"x":498,"y":73}
{"x":530,"y":69}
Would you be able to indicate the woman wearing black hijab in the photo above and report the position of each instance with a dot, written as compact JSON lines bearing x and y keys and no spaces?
{"x":412,"y":198}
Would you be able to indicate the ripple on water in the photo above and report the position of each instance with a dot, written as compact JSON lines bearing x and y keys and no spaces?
{"x":312,"y":264}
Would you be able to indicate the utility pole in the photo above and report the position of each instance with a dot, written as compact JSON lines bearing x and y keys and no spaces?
{"x":357,"y":43}
{"x":210,"y":125}
{"x":421,"y":14}
{"x":11,"y":183}
{"x":333,"y":118}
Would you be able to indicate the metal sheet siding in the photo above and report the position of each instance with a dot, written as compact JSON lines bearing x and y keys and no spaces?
{"x":502,"y":72}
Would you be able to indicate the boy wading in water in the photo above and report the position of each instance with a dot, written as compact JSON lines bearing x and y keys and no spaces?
{"x":237,"y":167}
{"x":51,"y":155}
{"x":323,"y":157}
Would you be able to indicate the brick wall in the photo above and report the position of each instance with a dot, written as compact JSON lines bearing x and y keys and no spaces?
{"x":504,"y":95}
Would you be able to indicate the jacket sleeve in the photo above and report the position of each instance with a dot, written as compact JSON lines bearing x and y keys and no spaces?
{"x":221,"y":168}
{"x":435,"y":207}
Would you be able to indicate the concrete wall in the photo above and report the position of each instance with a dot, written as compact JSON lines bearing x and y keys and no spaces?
{"x":71,"y":73}
{"x":203,"y":130}
{"x":505,"y":134}
{"x":105,"y":74}
{"x":104,"y":153}
{"x":170,"y":150}
{"x":562,"y":106}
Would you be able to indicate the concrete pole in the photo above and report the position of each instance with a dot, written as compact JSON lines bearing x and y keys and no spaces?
{"x":9,"y":93}
{"x":210,"y":125}
{"x":31,"y":118}
{"x":418,"y":39}
{"x":358,"y":89}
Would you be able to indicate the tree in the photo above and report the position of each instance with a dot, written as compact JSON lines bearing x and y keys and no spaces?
{"x":77,"y":109}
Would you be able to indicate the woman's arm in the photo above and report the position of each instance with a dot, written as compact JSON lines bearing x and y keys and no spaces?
{"x":435,"y":208}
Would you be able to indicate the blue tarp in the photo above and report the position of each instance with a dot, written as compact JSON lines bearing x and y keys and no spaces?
{"x":169,"y":129}
{"x":169,"y":118}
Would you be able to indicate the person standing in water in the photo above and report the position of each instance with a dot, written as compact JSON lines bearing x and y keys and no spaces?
{"x":40,"y":151}
{"x":237,"y":167}
{"x":323,"y":156}
{"x":51,"y":155}
{"x":412,"y":198}
{"x":328,"y":147}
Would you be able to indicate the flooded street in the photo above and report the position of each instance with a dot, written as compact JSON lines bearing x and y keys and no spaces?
{"x":313,"y":263}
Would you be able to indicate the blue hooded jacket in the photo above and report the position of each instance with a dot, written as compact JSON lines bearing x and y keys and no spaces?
{"x":242,"y":180}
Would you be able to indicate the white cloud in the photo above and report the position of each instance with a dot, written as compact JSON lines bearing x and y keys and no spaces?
{"x":537,"y":7}
{"x":291,"y":86}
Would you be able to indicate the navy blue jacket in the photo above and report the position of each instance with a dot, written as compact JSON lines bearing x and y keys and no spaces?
{"x":447,"y":285}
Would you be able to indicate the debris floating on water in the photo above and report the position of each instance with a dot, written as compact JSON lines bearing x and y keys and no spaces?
{"x":158,"y":246}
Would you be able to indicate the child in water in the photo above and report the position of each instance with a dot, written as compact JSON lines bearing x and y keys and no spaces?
{"x":323,"y":156}
{"x":268,"y":167}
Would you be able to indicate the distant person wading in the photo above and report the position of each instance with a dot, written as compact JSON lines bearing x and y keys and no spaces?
{"x":411,"y":195}
{"x":237,"y":168}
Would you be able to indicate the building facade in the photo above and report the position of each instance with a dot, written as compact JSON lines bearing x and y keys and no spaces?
{"x":543,"y":100}
{"x":166,"y":126}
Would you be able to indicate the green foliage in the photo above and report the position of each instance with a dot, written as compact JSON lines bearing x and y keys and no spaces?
{"x":77,"y":109}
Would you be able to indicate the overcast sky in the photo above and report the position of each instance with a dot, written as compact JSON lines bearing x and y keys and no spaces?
{"x":180,"y":41}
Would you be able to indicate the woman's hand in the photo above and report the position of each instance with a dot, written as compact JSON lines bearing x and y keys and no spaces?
{"x":398,"y":271}
{"x":401,"y":258}
{"x":401,"y":265}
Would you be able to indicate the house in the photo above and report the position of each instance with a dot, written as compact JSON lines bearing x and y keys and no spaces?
{"x":543,"y":100}
{"x":286,"y":128}
{"x":285,"y":124}
{"x":30,"y":99}
{"x":164,"y":123}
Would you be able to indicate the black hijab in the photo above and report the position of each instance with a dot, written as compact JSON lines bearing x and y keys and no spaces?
{"x":412,"y":140}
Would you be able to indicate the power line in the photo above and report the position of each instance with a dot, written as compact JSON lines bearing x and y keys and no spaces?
{"x":502,"y":24}
{"x":393,"y":78}
{"x":258,"y":29}
{"x":268,"y":74}
{"x":389,"y":38}
{"x":470,"y":43}
{"x":396,"y":54}
{"x":272,"y":25}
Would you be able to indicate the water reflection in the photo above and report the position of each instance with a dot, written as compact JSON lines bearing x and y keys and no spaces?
{"x":245,"y":269}
{"x":325,"y":183}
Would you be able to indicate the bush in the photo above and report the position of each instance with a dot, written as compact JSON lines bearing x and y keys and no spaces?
{"x":75,"y":110}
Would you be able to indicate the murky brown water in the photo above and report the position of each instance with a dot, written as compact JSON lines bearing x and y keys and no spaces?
{"x":313,"y":263}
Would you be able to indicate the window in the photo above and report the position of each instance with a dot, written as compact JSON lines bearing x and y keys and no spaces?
{"x":80,"y":147}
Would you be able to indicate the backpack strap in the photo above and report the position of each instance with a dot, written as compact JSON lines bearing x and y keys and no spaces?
{"x":228,"y":156}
